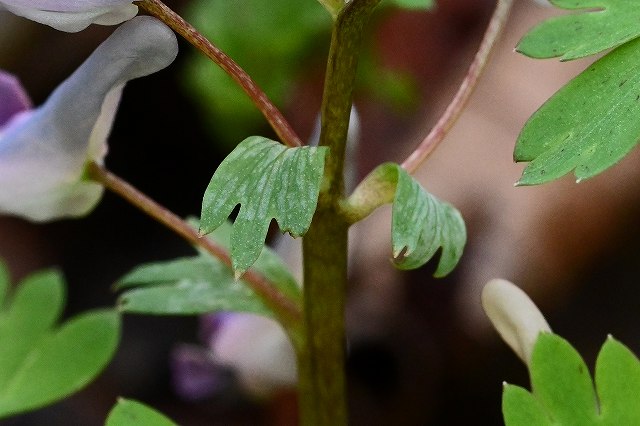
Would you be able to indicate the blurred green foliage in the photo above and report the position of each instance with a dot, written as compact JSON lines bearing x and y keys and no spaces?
{"x":275,"y":41}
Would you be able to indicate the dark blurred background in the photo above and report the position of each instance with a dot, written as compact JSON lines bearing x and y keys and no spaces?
{"x":421,"y":352}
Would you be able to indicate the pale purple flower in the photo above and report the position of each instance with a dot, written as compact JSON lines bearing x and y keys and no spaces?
{"x":72,"y":15}
{"x":44,"y":152}
{"x":253,"y":347}
{"x":516,"y":318}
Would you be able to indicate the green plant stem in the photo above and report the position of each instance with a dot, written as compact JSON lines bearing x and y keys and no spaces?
{"x":455,"y":108}
{"x":273,"y":115}
{"x":287,"y":311}
{"x":322,"y":386}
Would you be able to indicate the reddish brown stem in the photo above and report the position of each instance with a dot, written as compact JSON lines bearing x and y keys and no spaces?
{"x":287,"y":310}
{"x":273,"y":115}
{"x":455,"y":108}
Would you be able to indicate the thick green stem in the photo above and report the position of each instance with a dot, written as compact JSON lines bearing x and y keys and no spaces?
{"x":322,"y":386}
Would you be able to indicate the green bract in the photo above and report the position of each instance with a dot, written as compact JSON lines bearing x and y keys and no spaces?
{"x":563,"y":392}
{"x":420,"y":224}
{"x":269,"y":181}
{"x":585,"y":33}
{"x":589,"y":125}
{"x":128,"y":413}
{"x":41,"y":363}
{"x":201,"y":284}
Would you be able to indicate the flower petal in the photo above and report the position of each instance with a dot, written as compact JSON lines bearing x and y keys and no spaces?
{"x":13,"y":98}
{"x":258,"y":349}
{"x":43,"y":153}
{"x":515,"y":317}
{"x":72,"y":15}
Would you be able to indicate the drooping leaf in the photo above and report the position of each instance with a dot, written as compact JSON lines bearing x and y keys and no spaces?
{"x":600,"y":25}
{"x":563,"y":392}
{"x":618,"y":383}
{"x":128,"y":412}
{"x":269,"y":181}
{"x":41,"y":363}
{"x":201,"y":284}
{"x":521,"y":408}
{"x":421,"y":224}
{"x":587,"y":126}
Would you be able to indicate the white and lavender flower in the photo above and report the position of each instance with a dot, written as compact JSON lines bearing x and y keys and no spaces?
{"x":44,"y":152}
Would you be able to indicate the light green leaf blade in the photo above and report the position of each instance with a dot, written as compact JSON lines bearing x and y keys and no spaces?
{"x":618,"y":384}
{"x":611,"y":24}
{"x":62,"y":362}
{"x":27,"y":318}
{"x":520,"y":408}
{"x":269,"y":181}
{"x":587,"y":126}
{"x":128,"y":412}
{"x":561,"y":381}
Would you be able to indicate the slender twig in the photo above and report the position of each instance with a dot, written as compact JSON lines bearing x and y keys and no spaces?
{"x":455,"y":108}
{"x":273,"y":115}
{"x":288,"y":311}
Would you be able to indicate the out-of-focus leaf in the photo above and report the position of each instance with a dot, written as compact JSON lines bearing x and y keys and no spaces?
{"x":600,"y":25}
{"x":264,"y":39}
{"x":587,"y":126}
{"x":40,"y":363}
{"x":128,"y":412}
{"x":201,"y":284}
{"x":269,"y":181}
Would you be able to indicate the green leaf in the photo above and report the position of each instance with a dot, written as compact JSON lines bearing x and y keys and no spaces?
{"x":27,"y":319}
{"x":420,"y":225}
{"x":269,"y":181}
{"x":40,"y":363}
{"x":128,"y":412}
{"x":520,"y":408}
{"x":563,"y":393}
{"x":602,"y":25}
{"x":201,"y":284}
{"x":587,"y":126}
{"x":618,"y":384}
{"x":414,"y":4}
{"x":4,"y":282}
{"x":561,"y":381}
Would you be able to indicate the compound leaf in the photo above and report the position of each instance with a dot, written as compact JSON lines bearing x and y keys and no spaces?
{"x":269,"y":181}
{"x":41,"y":363}
{"x":601,"y":25}
{"x":128,"y":412}
{"x":589,"y":124}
